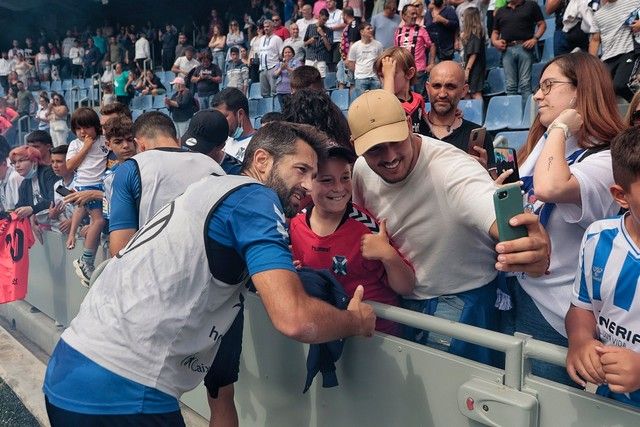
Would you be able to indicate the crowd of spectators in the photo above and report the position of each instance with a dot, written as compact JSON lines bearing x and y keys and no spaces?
{"x":434,"y":198}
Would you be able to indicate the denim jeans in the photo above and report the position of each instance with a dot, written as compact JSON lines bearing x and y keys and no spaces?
{"x":517,"y":62}
{"x":204,"y":100}
{"x":218,"y":59}
{"x":369,"y":83}
{"x":344,"y":75}
{"x":474,"y":307}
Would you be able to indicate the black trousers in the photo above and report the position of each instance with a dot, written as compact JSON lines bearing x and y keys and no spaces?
{"x":620,"y":68}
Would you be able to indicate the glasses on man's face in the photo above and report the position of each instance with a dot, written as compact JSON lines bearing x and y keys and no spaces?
{"x":546,"y":85}
{"x":635,"y":118}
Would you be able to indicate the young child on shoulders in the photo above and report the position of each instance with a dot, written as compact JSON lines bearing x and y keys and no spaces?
{"x":396,"y":69}
{"x":603,"y":323}
{"x":87,"y":156}
{"x":336,"y":235}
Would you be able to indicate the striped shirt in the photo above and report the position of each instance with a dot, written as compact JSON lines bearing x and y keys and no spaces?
{"x":616,"y":38}
{"x":317,"y":51}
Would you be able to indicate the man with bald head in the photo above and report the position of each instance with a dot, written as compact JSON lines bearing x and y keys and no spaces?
{"x":446,"y":87}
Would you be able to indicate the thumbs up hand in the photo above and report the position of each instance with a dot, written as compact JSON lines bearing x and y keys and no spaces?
{"x":363,"y":312}
{"x":377,"y":246}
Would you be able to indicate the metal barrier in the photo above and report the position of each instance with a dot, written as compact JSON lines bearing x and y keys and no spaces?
{"x":146,"y":67}
{"x":95,"y":84}
{"x":23,"y":130}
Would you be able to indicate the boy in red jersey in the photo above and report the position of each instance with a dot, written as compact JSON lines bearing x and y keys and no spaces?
{"x":336,"y":235}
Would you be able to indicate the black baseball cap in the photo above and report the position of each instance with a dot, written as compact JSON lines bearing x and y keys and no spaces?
{"x":208,"y":129}
{"x":336,"y":150}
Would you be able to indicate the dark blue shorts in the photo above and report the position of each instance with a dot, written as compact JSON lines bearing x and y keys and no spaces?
{"x":62,"y":418}
{"x":226,"y":365}
{"x":93,"y":204}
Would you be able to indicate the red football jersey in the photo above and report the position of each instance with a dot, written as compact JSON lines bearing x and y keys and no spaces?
{"x":17,"y":238}
{"x":340,"y":253}
{"x":415,"y":108}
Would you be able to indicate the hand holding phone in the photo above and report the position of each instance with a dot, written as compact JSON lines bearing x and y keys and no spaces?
{"x":63,"y":191}
{"x":476,"y":139}
{"x":507,"y":201}
{"x":505,"y":159}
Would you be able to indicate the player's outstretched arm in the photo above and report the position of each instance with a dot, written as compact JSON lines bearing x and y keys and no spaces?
{"x":307,"y":319}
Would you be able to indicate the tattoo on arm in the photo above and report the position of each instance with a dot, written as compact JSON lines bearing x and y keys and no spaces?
{"x":549,"y":163}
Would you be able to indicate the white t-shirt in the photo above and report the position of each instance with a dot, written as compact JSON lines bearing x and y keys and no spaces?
{"x":297,"y":44}
{"x":552,"y":293}
{"x":9,"y":189}
{"x":5,"y":67}
{"x":439,"y":217}
{"x":76,"y":54}
{"x":91,"y":170}
{"x":616,"y":38}
{"x":303,"y":24}
{"x":335,"y":18}
{"x":142,"y":48}
{"x":237,"y":147}
{"x":365,"y":56}
{"x":269,"y":48}
{"x":185,"y":65}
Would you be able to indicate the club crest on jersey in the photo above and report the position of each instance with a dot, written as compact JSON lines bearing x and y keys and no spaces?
{"x":340,"y":265}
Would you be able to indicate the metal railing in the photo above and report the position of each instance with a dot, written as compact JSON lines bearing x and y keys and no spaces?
{"x":146,"y":67}
{"x":23,"y":130}
{"x":517,"y":348}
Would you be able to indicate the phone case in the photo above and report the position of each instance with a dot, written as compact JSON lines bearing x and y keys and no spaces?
{"x":507,"y":161}
{"x":507,"y":201}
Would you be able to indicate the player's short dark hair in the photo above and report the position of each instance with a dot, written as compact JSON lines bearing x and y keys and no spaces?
{"x":85,"y":117}
{"x":233,"y":98}
{"x":279,"y":140}
{"x":115,"y":108}
{"x":153,"y":124}
{"x":625,"y":157}
{"x":324,"y":12}
{"x":306,"y":76}
{"x":118,"y":127}
{"x":234,"y":49}
{"x":272,"y":116}
{"x":40,"y":136}
{"x":60,"y":149}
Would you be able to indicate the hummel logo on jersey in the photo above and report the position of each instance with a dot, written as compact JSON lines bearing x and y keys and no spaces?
{"x":364,"y":219}
{"x":340,"y":265}
{"x":280,"y":226}
{"x":597,"y":273}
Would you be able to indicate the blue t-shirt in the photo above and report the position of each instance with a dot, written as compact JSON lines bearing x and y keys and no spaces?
{"x":250,"y":221}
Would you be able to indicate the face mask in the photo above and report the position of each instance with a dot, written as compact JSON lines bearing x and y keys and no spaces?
{"x":238,"y":132}
{"x":31,"y":173}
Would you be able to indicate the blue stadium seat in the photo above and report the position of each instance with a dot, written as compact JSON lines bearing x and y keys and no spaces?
{"x":45,"y":86}
{"x":254,"y":91}
{"x":330,"y":81}
{"x":528,"y":115}
{"x":88,"y":82}
{"x":341,"y":98}
{"x":67,"y":84}
{"x":165,"y":111}
{"x":504,"y":112}
{"x":495,"y":84}
{"x":253,"y":108}
{"x":515,"y":139}
{"x":472,"y":110}
{"x":536,"y":73}
{"x":144,"y":102}
{"x":79,"y":83}
{"x":56,"y":86}
{"x":547,"y":51}
{"x":493,"y":57}
{"x":276,"y":104}
{"x":256,"y":123}
{"x":135,"y":114}
{"x":158,"y":102}
{"x":355,"y":94}
{"x":550,"y":30}
{"x":264,"y":106}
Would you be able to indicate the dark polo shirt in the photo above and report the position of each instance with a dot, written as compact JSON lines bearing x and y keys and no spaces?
{"x":519,"y":23}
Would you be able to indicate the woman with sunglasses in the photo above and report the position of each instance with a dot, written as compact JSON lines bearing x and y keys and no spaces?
{"x":566,"y":170}
{"x":58,"y":120}
{"x":235,"y":37}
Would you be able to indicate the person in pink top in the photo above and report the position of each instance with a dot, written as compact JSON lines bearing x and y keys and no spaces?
{"x":318,"y":6}
{"x":416,"y":40}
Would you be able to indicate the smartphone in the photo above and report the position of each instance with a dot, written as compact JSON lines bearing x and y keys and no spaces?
{"x":476,"y":139}
{"x":507,"y":201}
{"x":506,"y":159}
{"x":63,"y":191}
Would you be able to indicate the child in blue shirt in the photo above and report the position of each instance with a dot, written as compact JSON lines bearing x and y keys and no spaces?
{"x":603,"y":323}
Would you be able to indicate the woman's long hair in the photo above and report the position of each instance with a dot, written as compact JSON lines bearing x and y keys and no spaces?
{"x":595,"y":101}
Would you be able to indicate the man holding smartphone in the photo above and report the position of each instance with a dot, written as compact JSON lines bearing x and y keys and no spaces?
{"x":438,"y":203}
{"x":446,"y":87}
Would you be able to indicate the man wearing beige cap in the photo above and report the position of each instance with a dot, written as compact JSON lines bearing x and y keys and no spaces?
{"x":438,"y":203}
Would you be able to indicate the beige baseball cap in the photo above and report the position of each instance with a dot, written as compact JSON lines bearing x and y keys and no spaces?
{"x":376,"y":117}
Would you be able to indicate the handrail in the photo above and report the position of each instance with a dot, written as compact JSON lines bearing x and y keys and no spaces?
{"x":20,"y":131}
{"x":144,"y":65}
{"x":95,"y":83}
{"x":511,"y":346}
{"x":543,"y":351}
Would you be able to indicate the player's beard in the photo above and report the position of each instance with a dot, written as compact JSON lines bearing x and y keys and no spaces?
{"x":285,"y":194}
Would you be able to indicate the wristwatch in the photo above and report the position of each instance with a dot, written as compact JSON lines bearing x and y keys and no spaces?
{"x":565,"y":129}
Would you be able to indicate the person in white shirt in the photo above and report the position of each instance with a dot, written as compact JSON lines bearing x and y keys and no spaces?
{"x":361,"y":58}
{"x":438,"y":203}
{"x":306,"y":20}
{"x":76,"y":55}
{"x":5,"y":69}
{"x":142,"y":50}
{"x":10,"y":180}
{"x":185,"y":63}
{"x":295,"y":41}
{"x":336,"y":24}
{"x":269,"y":48}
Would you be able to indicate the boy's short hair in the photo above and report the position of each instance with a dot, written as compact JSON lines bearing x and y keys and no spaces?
{"x":306,"y":76}
{"x":233,"y":98}
{"x":39,"y":136}
{"x":60,"y":149}
{"x":363,"y":25}
{"x":115,"y":108}
{"x":85,"y":117}
{"x":272,"y":116}
{"x":625,"y":157}
{"x":234,"y":49}
{"x":404,"y":60}
{"x":324,"y":12}
{"x":153,"y":124}
{"x":118,"y":127}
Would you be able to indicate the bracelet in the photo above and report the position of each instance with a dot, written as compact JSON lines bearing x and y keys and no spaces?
{"x":558,"y":125}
